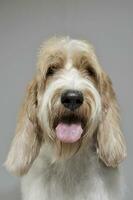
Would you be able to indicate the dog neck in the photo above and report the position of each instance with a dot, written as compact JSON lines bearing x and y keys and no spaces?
{"x":82,"y":172}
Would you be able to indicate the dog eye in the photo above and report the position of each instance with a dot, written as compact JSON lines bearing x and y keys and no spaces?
{"x":91,"y":72}
{"x":51,"y":70}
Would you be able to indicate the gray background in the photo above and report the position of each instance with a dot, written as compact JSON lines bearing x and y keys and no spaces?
{"x":24,"y":24}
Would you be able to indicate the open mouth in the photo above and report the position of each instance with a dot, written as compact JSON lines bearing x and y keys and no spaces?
{"x":70,"y":128}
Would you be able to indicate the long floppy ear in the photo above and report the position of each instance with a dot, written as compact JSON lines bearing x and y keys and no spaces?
{"x":110,"y":141}
{"x":26,"y":143}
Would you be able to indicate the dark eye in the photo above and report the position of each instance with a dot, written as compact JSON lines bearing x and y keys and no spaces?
{"x":91,"y":72}
{"x":51,"y":70}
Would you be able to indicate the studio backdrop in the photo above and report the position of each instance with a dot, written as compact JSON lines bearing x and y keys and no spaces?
{"x":25,"y":24}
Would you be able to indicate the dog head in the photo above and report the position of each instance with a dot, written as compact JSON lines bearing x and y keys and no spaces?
{"x":69,"y":104}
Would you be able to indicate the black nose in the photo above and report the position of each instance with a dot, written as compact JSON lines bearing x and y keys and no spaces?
{"x":72,"y":99}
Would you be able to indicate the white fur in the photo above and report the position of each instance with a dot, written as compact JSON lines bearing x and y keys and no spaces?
{"x":80,"y":178}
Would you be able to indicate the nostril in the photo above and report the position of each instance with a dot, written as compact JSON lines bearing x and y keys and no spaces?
{"x":78,"y":101}
{"x":65,"y":100}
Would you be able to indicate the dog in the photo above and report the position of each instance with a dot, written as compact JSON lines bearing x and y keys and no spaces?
{"x":68,"y":142}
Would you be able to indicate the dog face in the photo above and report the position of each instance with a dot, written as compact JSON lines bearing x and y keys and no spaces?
{"x":70,"y":104}
{"x":69,"y":101}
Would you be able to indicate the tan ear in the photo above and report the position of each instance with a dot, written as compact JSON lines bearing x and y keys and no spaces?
{"x":110,"y":141}
{"x":26,"y":144}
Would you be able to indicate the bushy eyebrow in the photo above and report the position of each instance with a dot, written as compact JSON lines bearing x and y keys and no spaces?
{"x":56,"y":57}
{"x":82,"y":59}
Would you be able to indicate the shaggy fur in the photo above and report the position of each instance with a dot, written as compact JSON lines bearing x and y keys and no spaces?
{"x":88,"y":168}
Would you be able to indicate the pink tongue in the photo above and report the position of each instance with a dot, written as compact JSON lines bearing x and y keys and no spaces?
{"x":69,"y":133}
